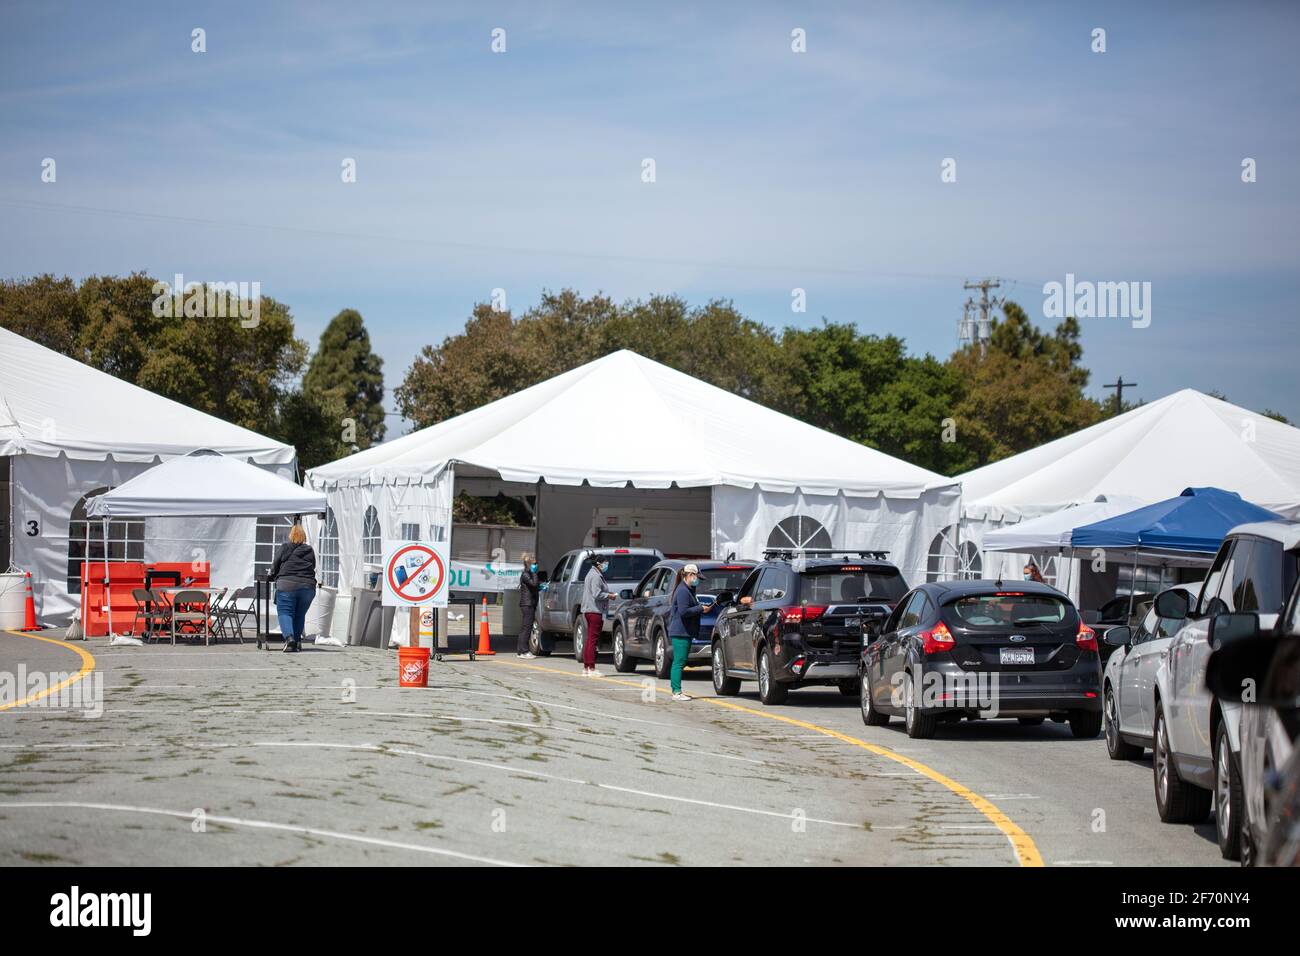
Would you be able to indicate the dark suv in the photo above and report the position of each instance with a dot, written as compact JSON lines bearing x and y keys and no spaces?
{"x":799,"y":620}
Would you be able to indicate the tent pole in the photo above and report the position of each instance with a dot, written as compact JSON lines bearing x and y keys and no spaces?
{"x":108,"y":588}
{"x":1132,"y":589}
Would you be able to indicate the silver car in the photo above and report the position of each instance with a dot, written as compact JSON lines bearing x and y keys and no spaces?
{"x":1196,"y":735}
{"x":1129,"y":681}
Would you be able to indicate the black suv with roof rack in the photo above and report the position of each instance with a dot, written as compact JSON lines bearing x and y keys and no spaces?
{"x":799,"y":620}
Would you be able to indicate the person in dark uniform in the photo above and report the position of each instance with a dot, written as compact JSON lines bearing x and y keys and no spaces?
{"x":529,"y":586}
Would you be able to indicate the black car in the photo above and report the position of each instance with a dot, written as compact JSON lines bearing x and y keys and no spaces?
{"x":1118,"y":612}
{"x":799,"y":620}
{"x":958,"y":650}
{"x":640,"y":630}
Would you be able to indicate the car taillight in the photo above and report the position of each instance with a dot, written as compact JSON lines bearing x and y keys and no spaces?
{"x":937,"y":639}
{"x":802,"y":613}
{"x":1086,"y":639}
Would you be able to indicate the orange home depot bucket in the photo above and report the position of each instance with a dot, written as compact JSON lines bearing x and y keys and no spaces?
{"x":412,"y":667}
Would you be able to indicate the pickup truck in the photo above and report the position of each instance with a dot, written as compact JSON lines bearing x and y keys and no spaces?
{"x":559,"y":615}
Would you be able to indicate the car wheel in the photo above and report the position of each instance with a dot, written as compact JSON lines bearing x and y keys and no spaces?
{"x":622,"y":663}
{"x":1116,"y":746}
{"x":920,"y":725}
{"x":723,"y":685}
{"x":538,"y":643}
{"x":870,"y":716}
{"x":1030,"y":721}
{"x":1176,"y":801}
{"x":848,"y":686}
{"x":1085,"y":724}
{"x":663,"y":657}
{"x":579,"y":637}
{"x":1229,"y":802}
{"x":770,"y":690}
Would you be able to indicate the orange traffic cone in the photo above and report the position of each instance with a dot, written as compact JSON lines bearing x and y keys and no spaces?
{"x":484,"y":638}
{"x":29,"y":623}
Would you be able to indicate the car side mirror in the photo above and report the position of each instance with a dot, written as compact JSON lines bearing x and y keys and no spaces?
{"x":626,"y":594}
{"x":1233,"y":626}
{"x":1120,"y":636}
{"x":1174,"y":603}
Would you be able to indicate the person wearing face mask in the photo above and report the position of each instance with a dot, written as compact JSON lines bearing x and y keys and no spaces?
{"x":1032,"y":573}
{"x":529,"y":586}
{"x":595,"y":599}
{"x":684,"y":624}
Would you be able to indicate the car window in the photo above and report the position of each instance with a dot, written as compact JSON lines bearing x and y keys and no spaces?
{"x":1168,"y":626}
{"x":851,"y":584}
{"x":1008,"y":609}
{"x":1236,"y":586}
{"x":912,"y":613}
{"x":1210,"y":589}
{"x":558,"y":574}
{"x":892,"y":623}
{"x":772,"y":586}
{"x":713,"y":580}
{"x":1271,"y":575}
{"x":751,"y":583}
{"x":647,"y":583}
{"x":664,"y":583}
{"x":1148,"y":628}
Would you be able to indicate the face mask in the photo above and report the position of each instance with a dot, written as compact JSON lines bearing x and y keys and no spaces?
{"x":532,"y":567}
{"x":1028,"y":576}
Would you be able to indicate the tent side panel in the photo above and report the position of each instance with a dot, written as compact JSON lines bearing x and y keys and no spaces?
{"x":746,"y":520}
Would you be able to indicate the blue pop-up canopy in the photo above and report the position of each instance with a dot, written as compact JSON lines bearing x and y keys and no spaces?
{"x":1195,"y":522}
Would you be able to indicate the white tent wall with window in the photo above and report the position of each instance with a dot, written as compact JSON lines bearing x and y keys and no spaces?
{"x":1147,"y":454}
{"x":68,"y":430}
{"x":625,"y":428}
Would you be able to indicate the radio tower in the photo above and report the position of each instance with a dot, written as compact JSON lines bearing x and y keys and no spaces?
{"x":971,"y":331}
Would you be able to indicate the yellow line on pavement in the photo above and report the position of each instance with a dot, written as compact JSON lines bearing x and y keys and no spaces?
{"x":87,"y":665}
{"x":1021,"y":843}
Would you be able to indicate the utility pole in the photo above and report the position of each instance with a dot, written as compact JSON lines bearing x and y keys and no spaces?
{"x":1119,"y":385}
{"x":983,"y":328}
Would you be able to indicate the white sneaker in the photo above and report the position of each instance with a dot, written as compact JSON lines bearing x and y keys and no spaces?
{"x":527,"y":656}
{"x":594,"y":673}
{"x":680,"y":696}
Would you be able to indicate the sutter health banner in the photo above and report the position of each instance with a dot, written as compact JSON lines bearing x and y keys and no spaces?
{"x":485,"y":576}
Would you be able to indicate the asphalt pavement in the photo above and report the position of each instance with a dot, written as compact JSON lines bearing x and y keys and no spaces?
{"x":231,"y":755}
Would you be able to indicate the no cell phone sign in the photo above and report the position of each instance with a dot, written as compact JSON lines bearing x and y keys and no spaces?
{"x":415,"y":575}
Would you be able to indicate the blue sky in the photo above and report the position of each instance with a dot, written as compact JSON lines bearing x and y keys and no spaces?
{"x":775,"y":170}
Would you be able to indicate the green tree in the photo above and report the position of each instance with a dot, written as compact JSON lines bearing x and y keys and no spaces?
{"x":346,"y":381}
{"x":45,"y":310}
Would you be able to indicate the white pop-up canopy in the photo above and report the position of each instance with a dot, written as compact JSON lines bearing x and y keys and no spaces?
{"x":207,"y":486}
{"x":1053,"y":531}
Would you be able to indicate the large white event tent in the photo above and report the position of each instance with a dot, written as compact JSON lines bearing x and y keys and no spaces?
{"x":626,"y":430}
{"x":1147,"y":454}
{"x":69,"y":431}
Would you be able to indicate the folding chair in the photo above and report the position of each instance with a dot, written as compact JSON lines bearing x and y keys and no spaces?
{"x":149,"y":613}
{"x":235,"y":613}
{"x":215,"y":622}
{"x":184,"y":613}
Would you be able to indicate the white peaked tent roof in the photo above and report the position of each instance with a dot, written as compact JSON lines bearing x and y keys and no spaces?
{"x":206,"y":485}
{"x":52,"y":404}
{"x":1053,"y":531}
{"x":626,"y":418}
{"x":1152,"y":452}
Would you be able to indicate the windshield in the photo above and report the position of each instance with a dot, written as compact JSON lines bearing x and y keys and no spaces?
{"x":713,"y":580}
{"x":835,"y":585}
{"x":1008,"y":610}
{"x":623,"y":567}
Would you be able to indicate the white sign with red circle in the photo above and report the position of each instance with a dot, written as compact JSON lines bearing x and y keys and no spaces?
{"x":415,"y":575}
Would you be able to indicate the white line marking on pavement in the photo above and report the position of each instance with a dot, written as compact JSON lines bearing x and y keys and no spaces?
{"x":1082,"y":863}
{"x":258,"y":824}
{"x":729,"y":806}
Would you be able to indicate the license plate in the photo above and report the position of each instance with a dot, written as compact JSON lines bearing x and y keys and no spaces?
{"x":1017,"y":655}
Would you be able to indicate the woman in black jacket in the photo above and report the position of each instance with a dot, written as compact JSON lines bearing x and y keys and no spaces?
{"x":529,"y":585}
{"x":294,"y":574}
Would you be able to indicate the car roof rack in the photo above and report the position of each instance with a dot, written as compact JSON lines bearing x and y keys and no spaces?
{"x":789,"y":553}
